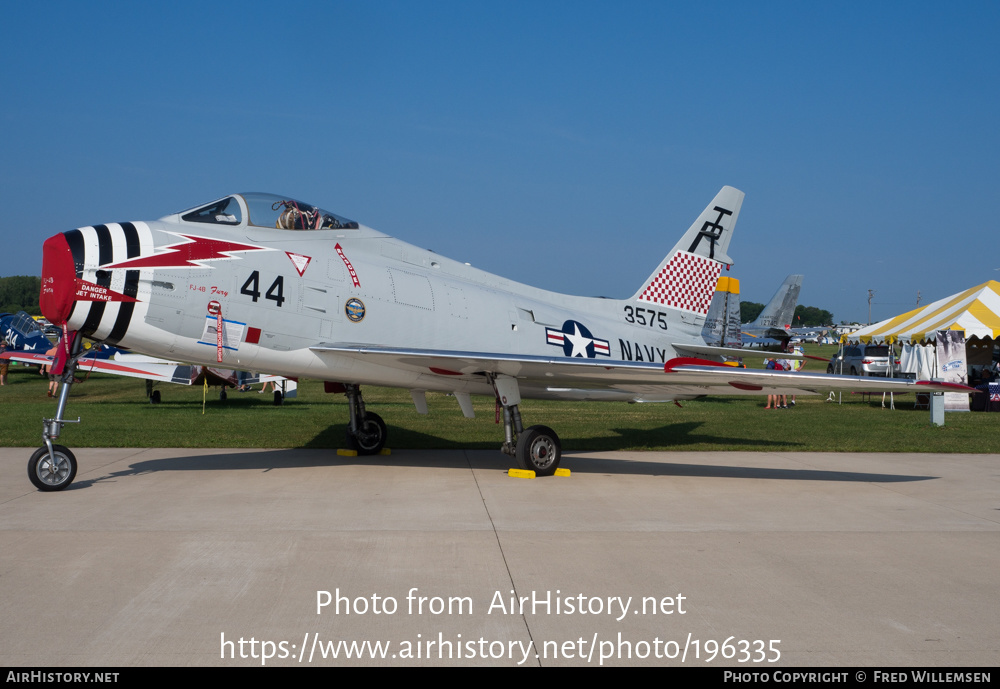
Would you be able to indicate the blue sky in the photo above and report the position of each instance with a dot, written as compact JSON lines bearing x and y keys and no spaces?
{"x":562,"y":144}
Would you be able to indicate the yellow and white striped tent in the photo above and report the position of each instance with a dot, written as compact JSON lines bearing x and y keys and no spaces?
{"x":976,"y":311}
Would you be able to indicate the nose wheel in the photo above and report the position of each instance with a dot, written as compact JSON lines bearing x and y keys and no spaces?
{"x":52,"y":472}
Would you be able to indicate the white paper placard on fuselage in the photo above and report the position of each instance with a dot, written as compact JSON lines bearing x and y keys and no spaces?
{"x":232,"y":333}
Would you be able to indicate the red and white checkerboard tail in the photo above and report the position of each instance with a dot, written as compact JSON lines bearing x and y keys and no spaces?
{"x":687,"y":277}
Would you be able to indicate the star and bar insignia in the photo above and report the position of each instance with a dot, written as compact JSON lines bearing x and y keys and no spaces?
{"x":577,"y":341}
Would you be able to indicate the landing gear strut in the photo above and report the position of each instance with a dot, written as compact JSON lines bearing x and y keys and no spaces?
{"x":366,"y":432}
{"x":53,"y":467}
{"x":536,"y":448}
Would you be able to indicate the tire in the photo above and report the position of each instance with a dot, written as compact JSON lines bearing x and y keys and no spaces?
{"x":222,"y":395}
{"x":155,"y":397}
{"x":47,"y":478}
{"x":829,"y":369}
{"x":539,"y":450}
{"x":278,"y":399}
{"x":371,"y":437}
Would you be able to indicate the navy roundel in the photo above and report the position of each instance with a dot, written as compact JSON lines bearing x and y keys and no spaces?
{"x":577,"y":341}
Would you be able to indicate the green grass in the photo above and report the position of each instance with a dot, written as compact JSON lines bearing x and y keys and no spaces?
{"x":115,"y":413}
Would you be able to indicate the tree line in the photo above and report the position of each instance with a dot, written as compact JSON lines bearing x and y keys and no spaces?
{"x":805,"y":316}
{"x":20,"y":293}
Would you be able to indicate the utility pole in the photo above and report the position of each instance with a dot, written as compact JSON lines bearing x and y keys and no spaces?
{"x":871,"y":295}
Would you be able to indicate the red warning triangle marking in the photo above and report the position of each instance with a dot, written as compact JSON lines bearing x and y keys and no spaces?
{"x":299,"y":261}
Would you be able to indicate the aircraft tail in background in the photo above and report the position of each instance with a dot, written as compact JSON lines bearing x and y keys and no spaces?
{"x":780,"y":311}
{"x":722,"y":324}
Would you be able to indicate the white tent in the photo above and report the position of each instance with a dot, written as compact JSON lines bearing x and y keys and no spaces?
{"x":976,"y":311}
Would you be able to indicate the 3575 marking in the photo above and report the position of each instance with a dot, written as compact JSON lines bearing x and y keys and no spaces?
{"x":640,"y":316}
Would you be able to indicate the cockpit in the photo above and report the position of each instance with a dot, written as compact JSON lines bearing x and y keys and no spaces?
{"x":267,"y":210}
{"x":26,"y":325}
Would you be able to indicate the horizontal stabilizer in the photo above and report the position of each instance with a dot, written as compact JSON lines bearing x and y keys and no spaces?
{"x":708,"y":350}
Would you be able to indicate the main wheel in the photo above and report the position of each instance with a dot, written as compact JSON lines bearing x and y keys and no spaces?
{"x":371,"y":436}
{"x":278,"y":398}
{"x":155,"y":397}
{"x":539,"y":450}
{"x":48,"y":475}
{"x":829,"y":369}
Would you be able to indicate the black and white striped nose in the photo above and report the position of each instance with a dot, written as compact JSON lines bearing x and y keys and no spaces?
{"x":96,"y":300}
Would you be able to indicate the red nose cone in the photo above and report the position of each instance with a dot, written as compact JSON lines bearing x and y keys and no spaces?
{"x":58,"y":280}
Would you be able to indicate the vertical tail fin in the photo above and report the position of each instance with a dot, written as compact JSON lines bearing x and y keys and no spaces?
{"x":722,"y":324}
{"x":781,"y":309}
{"x":687,"y":277}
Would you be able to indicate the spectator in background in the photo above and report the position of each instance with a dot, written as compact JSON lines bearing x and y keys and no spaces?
{"x":772,"y":400}
{"x":47,"y":370}
{"x":793,"y":364}
{"x":4,"y":363}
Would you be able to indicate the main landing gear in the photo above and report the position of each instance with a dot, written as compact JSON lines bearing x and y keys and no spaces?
{"x":536,"y":448}
{"x":53,"y":467}
{"x":366,"y":432}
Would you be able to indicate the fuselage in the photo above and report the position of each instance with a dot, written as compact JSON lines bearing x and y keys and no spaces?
{"x":163,"y":287}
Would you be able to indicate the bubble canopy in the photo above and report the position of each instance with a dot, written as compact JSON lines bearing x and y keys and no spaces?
{"x":267,"y":210}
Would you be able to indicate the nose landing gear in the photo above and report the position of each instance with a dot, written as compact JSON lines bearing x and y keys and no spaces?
{"x":53,"y":467}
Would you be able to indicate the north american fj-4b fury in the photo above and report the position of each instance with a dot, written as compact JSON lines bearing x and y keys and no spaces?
{"x":267,"y":283}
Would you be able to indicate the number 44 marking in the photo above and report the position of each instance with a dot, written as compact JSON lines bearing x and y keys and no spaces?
{"x":275,"y":292}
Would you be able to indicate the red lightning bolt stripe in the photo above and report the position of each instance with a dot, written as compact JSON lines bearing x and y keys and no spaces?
{"x":188,"y":254}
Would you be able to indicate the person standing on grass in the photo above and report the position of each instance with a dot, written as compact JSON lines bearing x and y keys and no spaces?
{"x":47,"y":370}
{"x":772,"y":400}
{"x":793,"y":365}
{"x":4,"y":363}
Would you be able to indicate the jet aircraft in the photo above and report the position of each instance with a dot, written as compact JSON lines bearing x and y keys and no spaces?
{"x":263,"y":282}
{"x":722,"y":323}
{"x":774,"y":324}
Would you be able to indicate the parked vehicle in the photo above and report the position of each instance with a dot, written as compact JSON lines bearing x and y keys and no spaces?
{"x":863,"y":360}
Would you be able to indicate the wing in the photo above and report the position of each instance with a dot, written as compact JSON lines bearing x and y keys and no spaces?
{"x":640,"y":380}
{"x":164,"y":372}
{"x":769,"y":334}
